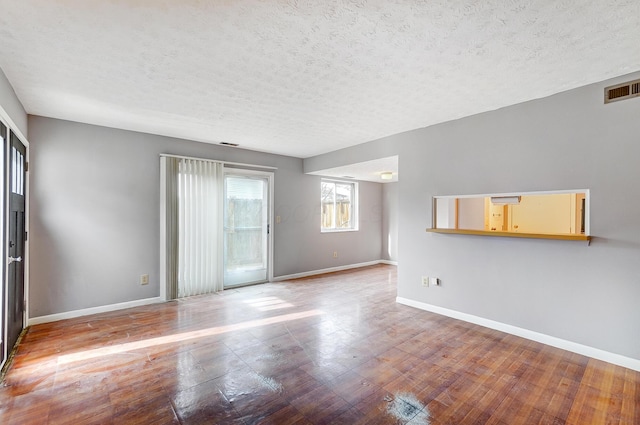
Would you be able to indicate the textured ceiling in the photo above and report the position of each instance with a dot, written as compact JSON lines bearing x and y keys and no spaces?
{"x":304,"y":77}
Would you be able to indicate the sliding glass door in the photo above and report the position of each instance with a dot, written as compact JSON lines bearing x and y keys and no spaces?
{"x":246,"y":227}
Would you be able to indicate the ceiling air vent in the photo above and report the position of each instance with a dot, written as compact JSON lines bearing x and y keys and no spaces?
{"x":229,"y":144}
{"x":622,"y":91}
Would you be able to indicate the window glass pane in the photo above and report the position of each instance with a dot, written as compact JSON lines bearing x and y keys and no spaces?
{"x":14,"y":171}
{"x":328,"y":193}
{"x":245,"y":230}
{"x":343,"y":205}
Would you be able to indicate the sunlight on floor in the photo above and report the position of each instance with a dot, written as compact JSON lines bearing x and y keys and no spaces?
{"x":268,"y":303}
{"x":184,"y":336}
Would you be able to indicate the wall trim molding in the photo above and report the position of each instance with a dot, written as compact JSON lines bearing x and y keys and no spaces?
{"x":328,"y":270}
{"x":92,"y":310}
{"x":4,"y":116}
{"x":574,"y":347}
{"x":389,"y":262}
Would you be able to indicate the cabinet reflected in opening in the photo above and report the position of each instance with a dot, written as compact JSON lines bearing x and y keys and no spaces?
{"x":556,"y":213}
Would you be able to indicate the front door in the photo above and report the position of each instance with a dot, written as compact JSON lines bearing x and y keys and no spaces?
{"x":16,"y":236}
{"x":3,"y":288}
{"x":246,"y":228}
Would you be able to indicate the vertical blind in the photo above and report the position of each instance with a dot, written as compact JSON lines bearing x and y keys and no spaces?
{"x":200,"y":194}
{"x":169,"y":220}
{"x":191,"y":232}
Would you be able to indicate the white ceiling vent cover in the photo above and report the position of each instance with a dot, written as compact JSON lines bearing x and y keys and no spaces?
{"x":622,"y":91}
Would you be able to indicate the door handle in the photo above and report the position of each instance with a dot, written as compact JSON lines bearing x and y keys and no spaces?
{"x":15,"y":259}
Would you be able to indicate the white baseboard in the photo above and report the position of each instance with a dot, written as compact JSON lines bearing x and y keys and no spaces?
{"x":389,"y":262}
{"x":92,"y":310}
{"x":329,"y":270}
{"x":146,"y":301}
{"x":574,"y":347}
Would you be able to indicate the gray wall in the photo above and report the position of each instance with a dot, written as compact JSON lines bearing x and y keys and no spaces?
{"x":375,"y":149}
{"x":95,"y":214}
{"x":390,"y":221}
{"x":11,"y":106}
{"x":585,"y":294}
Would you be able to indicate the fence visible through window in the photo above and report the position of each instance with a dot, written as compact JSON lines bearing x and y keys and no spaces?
{"x":338,"y":200}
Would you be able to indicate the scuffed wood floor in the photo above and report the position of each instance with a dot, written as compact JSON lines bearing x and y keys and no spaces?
{"x":332,"y":349}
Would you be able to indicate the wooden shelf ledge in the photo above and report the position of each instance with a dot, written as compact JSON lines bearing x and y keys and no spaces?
{"x":562,"y":237}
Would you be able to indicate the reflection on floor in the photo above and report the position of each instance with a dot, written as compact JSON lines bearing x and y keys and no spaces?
{"x":324,"y":350}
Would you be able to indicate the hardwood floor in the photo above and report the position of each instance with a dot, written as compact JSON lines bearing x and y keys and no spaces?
{"x":332,"y":349}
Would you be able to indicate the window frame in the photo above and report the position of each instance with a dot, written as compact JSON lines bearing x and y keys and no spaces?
{"x":354,"y":206}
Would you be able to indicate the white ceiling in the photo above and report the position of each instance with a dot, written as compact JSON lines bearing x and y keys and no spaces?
{"x":302,"y":77}
{"x":368,"y":170}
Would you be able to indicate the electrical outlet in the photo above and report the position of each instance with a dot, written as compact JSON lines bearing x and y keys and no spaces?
{"x":144,"y":279}
{"x":335,"y":254}
{"x":425,"y":281}
{"x":278,"y":219}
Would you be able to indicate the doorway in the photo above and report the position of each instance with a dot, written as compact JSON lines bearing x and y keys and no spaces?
{"x":247,"y":245}
{"x":3,"y":289}
{"x":14,"y":290}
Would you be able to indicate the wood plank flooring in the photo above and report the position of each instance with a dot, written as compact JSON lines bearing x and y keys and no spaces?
{"x":332,"y":349}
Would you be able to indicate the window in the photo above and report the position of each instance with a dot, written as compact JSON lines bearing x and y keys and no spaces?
{"x":339,"y":205}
